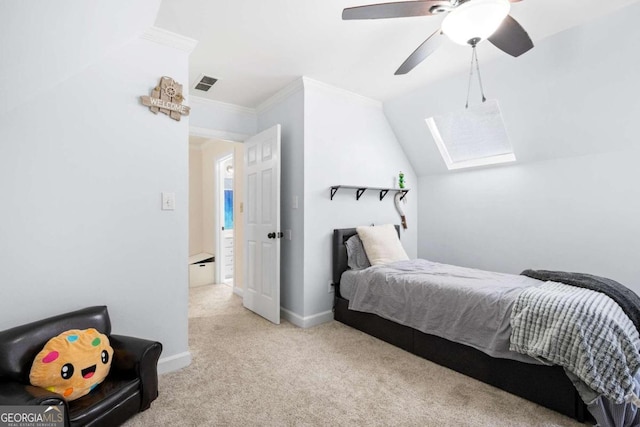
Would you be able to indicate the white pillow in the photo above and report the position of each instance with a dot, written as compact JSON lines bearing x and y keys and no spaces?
{"x":381,"y":243}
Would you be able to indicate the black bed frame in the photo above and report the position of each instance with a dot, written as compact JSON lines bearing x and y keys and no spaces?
{"x":548,"y":386}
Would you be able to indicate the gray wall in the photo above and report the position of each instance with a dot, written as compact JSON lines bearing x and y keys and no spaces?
{"x":572,"y":200}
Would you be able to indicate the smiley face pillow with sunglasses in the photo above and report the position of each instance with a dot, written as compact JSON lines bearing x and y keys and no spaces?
{"x":73,"y":363}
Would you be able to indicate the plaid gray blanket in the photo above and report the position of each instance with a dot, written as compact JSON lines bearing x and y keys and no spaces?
{"x":584,"y":331}
{"x":628,"y":301}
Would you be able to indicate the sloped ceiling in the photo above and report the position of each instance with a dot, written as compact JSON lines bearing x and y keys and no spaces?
{"x":256,"y":47}
{"x":573,"y":95}
{"x":44,"y":42}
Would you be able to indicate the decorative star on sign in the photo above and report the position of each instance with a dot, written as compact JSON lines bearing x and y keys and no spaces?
{"x":166,"y":98}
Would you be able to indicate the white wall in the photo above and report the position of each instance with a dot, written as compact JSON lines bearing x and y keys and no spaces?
{"x":82,"y":167}
{"x":288,"y":111}
{"x":195,"y":199}
{"x":330,"y":137}
{"x":347,"y":140}
{"x":572,"y":214}
{"x":229,"y":121}
{"x":571,"y":202}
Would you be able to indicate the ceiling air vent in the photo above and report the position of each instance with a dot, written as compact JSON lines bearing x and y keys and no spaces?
{"x":204,"y":83}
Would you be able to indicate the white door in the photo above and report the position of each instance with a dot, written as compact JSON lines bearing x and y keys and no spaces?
{"x":262,"y":227}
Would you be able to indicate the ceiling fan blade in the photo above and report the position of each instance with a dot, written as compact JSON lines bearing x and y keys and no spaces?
{"x":511,"y":37}
{"x":394,"y":10}
{"x":420,"y":54}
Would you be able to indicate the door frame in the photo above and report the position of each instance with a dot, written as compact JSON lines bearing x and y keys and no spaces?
{"x":218,"y":221}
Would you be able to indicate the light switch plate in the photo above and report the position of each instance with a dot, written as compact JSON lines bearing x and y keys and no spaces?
{"x":168,"y":201}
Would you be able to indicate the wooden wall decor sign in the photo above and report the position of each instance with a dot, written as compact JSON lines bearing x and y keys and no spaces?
{"x":166,"y":98}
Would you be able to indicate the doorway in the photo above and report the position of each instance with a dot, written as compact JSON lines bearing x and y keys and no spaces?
{"x":225,"y":217}
{"x":207,"y":213}
{"x":260,"y":162}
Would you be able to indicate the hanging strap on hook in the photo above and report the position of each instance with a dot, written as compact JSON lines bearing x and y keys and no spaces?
{"x":474,"y":57}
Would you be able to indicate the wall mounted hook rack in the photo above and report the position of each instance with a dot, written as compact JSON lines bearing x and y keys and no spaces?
{"x":360,"y":190}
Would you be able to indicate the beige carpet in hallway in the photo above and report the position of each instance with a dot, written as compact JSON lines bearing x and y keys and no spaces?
{"x":249,"y":372}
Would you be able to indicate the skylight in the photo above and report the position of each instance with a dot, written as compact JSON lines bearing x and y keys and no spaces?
{"x":475,"y":137}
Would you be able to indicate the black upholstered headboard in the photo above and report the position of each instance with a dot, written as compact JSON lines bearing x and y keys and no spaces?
{"x":341,"y":235}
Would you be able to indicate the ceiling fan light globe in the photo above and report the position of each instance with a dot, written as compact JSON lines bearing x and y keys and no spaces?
{"x":475,"y":19}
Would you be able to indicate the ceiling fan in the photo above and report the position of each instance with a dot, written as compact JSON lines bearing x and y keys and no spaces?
{"x":466,"y":22}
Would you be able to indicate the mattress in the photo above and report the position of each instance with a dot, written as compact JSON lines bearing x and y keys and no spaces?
{"x":464,"y":305}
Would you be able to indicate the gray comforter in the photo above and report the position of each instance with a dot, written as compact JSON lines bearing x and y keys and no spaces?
{"x":474,"y":307}
{"x":474,"y":311}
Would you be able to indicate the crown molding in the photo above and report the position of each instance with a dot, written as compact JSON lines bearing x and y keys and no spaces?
{"x":293,"y":87}
{"x":217,"y":134}
{"x":315,"y":84}
{"x":168,"y":38}
{"x":222,"y":105}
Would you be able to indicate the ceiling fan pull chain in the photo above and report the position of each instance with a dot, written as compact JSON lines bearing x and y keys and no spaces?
{"x":470,"y":77}
{"x":474,"y":57}
{"x":479,"y":78}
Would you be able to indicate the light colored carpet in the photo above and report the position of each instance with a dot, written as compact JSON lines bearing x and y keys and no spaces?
{"x":249,"y":372}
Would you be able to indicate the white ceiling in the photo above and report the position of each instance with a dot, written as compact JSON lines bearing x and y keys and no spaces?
{"x":256,"y":47}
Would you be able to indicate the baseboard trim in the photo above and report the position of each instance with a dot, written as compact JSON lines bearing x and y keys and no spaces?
{"x":174,"y":363}
{"x":238,"y":291}
{"x":306,"y":322}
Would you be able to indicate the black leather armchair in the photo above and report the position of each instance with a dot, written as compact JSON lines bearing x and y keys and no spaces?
{"x":130,"y":387}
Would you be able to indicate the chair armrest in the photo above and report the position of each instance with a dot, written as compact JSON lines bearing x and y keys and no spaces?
{"x":15,"y":393}
{"x":139,"y":358}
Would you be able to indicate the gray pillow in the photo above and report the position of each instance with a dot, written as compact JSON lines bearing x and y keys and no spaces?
{"x":356,"y":256}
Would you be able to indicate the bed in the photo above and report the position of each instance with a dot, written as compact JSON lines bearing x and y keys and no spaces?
{"x":546,"y":385}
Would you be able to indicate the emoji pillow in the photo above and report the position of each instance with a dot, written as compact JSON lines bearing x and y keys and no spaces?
{"x":73,"y":363}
